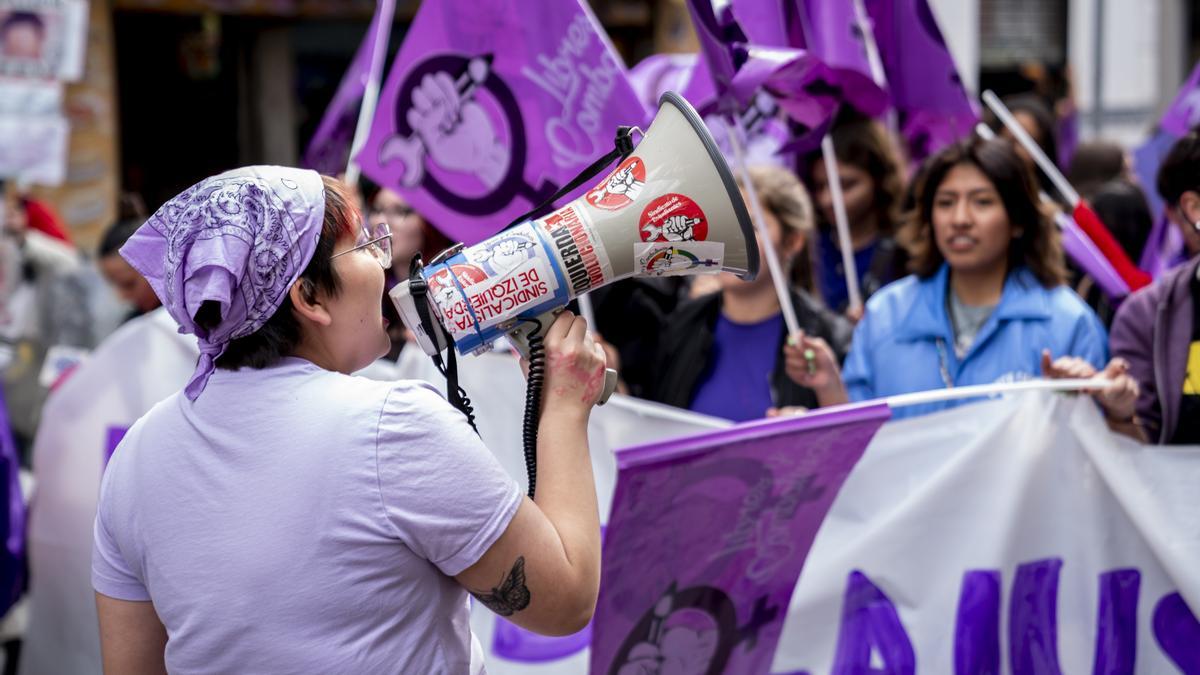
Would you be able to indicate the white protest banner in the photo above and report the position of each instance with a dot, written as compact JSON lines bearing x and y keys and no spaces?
{"x":1013,"y":536}
{"x":35,"y":148}
{"x":140,"y":364}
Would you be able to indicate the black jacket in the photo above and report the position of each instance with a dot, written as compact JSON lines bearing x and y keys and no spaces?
{"x":685,"y":348}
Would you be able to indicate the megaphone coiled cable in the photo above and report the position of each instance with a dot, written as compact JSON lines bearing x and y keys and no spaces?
{"x":533,"y":401}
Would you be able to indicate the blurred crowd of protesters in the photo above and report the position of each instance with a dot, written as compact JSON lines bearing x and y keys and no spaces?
{"x":959,"y":262}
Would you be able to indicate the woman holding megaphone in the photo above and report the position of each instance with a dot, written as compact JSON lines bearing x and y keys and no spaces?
{"x":281,"y":515}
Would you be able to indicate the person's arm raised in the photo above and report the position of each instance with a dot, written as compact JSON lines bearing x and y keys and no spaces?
{"x":543,"y":573}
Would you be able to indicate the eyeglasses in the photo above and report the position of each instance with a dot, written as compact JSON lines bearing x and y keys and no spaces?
{"x":377,"y":239}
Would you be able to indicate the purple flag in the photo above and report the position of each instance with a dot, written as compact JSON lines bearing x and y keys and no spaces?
{"x":756,"y":80}
{"x":1164,"y":247}
{"x":329,"y":149}
{"x":707,"y":537}
{"x":486,"y":112}
{"x":659,"y":73}
{"x":1184,"y":112}
{"x":833,"y":34}
{"x":12,"y":562}
{"x":1083,"y":251}
{"x":826,"y":30}
{"x":932,"y":106}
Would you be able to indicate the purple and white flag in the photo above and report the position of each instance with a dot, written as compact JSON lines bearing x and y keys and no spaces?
{"x":933,"y":107}
{"x":488,"y":109}
{"x":329,"y":148}
{"x":707,"y":536}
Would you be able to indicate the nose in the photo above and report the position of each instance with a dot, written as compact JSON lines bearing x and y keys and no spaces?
{"x":962,"y":215}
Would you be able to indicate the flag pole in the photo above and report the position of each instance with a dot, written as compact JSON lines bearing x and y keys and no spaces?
{"x":736,"y":135}
{"x":842,"y":222}
{"x":878,"y":74}
{"x":366,"y":113}
{"x":955,"y":393}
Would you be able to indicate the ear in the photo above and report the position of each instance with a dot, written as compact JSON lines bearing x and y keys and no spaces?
{"x":308,"y":303}
{"x":793,"y":243}
{"x":1189,"y":206}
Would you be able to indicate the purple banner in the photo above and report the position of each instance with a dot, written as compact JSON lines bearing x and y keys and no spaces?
{"x":12,"y":565}
{"x":1184,"y":112}
{"x":934,"y":109}
{"x":707,"y":537}
{"x":486,"y":113}
{"x":111,"y":440}
{"x":329,"y":149}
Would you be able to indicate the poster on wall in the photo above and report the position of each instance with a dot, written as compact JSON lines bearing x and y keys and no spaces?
{"x":43,"y":39}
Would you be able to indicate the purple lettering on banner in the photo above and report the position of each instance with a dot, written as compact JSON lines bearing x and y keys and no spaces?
{"x":870,"y":623}
{"x":1033,"y":618}
{"x":977,"y":629}
{"x":1178,"y":632}
{"x":1116,"y":622}
{"x":111,"y":440}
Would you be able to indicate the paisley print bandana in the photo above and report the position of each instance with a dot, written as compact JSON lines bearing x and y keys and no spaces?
{"x":241,"y":239}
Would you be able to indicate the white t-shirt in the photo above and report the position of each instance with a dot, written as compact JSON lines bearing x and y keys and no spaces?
{"x":294,"y":519}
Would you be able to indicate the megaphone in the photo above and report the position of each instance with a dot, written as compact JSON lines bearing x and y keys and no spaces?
{"x":670,"y":208}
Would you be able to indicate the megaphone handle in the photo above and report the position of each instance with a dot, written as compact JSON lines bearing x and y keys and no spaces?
{"x":519,"y":337}
{"x":528,"y":342}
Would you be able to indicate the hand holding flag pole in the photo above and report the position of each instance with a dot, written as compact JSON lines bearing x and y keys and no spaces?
{"x":1087,"y":219}
{"x":383,"y":28}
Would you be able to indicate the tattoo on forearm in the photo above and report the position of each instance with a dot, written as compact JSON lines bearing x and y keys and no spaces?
{"x":511,"y":596}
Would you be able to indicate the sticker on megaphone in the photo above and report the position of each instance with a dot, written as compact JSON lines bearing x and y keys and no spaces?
{"x":481,"y":290}
{"x":666,"y":259}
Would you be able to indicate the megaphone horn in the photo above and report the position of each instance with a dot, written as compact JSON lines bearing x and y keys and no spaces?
{"x":670,"y":208}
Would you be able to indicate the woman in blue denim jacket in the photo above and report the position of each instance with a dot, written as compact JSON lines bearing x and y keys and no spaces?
{"x":987,"y":303}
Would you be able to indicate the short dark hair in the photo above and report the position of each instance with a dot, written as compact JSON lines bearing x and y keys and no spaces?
{"x":116,"y":235}
{"x":1122,"y":207}
{"x":1180,"y":169}
{"x":1094,"y":164}
{"x":1038,"y":248}
{"x":27,"y":18}
{"x":280,"y":335}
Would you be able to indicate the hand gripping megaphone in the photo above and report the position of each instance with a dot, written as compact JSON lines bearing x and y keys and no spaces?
{"x":670,"y":208}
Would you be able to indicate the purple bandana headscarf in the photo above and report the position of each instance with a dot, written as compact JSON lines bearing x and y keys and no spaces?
{"x":241,"y":239}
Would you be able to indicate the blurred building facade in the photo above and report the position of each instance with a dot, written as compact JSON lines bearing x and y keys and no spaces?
{"x":180,"y":89}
